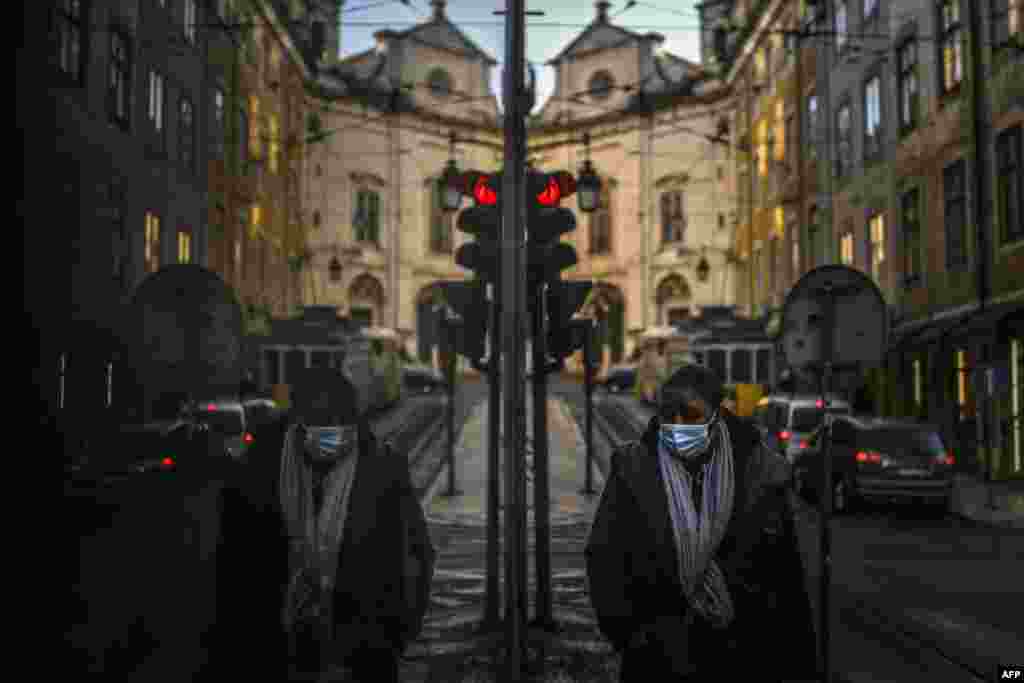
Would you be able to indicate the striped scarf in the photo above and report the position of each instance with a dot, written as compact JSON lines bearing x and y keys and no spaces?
{"x":698,"y":536}
{"x":315,"y":536}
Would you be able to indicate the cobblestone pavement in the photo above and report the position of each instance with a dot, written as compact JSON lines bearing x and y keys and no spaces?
{"x":453,"y":645}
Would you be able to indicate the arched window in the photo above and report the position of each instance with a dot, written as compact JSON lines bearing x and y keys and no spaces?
{"x":601,"y":222}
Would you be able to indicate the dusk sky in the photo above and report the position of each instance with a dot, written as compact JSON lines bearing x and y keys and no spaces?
{"x":545,"y":36}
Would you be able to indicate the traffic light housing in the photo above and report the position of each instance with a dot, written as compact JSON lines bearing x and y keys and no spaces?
{"x":468,"y":299}
{"x":564,"y":299}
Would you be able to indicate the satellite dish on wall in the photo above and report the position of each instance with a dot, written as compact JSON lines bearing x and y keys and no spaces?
{"x":834,"y":314}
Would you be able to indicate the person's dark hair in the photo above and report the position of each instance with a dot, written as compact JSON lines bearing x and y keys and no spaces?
{"x":687,"y":383}
{"x":316,"y":387}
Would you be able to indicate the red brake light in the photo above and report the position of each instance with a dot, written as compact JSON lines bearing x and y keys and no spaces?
{"x":167,"y":462}
{"x":944,"y":458}
{"x":803,"y":444}
{"x":819,"y":403}
{"x":482,"y":192}
{"x":247,"y":438}
{"x":784,"y":436}
{"x":212,"y":407}
{"x":869,"y":456}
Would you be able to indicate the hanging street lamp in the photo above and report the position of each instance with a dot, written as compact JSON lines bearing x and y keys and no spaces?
{"x":703,"y":268}
{"x":588,"y":185}
{"x":451,"y":190}
{"x":334,"y":268}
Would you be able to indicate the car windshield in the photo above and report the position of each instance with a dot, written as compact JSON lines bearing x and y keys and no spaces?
{"x":809,"y":419}
{"x":223,"y":421}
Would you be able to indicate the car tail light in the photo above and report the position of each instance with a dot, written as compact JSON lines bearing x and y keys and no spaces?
{"x":803,"y":444}
{"x":784,"y":435}
{"x":819,"y":403}
{"x":167,"y":462}
{"x":869,"y":457}
{"x":247,"y":438}
{"x":944,"y":458}
{"x":211,"y":408}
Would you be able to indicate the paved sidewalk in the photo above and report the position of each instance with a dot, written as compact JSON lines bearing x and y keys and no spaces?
{"x":451,"y":648}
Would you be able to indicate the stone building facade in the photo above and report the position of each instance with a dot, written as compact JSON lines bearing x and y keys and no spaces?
{"x":651,"y":118}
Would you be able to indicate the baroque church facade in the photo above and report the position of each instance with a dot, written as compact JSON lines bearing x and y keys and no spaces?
{"x":649,"y":122}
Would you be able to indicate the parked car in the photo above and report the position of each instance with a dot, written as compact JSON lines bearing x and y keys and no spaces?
{"x":793,"y":419}
{"x":619,"y":378}
{"x":226,"y":419}
{"x":878,"y":459}
{"x":422,"y":379}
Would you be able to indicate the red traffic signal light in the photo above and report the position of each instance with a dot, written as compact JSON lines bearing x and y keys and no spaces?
{"x":552,"y":188}
{"x":483,"y":193}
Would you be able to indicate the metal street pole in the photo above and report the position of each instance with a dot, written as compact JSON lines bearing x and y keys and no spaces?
{"x":450,"y":329}
{"x":588,"y":384}
{"x":981,"y":204}
{"x":513,"y":291}
{"x":541,"y":493}
{"x":492,"y":610}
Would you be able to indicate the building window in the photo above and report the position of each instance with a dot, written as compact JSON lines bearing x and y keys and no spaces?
{"x":812,"y":126}
{"x":918,"y":385}
{"x":219,"y":132}
{"x":362,"y":317}
{"x":601,"y":85}
{"x":119,"y":240}
{"x":255,"y":146}
{"x":238,"y":259}
{"x":911,"y":218}
{"x":71,"y":39}
{"x":1010,"y":183}
{"x":119,"y":83}
{"x":951,"y":51}
{"x":796,"y":256}
{"x":762,"y":148}
{"x":846,"y":248}
{"x":256,"y":222}
{"x":673,"y":218}
{"x":366,"y":221}
{"x":441,"y":221}
{"x":721,"y":221}
{"x":184,"y":245}
{"x":955,"y":200}
{"x":870,"y":9}
{"x":908,"y":85}
{"x":842,"y":24}
{"x":186,"y":138}
{"x":274,"y":143}
{"x":151,"y":249}
{"x":1007,"y":21}
{"x":439,"y":82}
{"x":780,"y":131}
{"x":844,"y":159}
{"x":156,"y":101}
{"x":190,"y":21}
{"x":243,"y":138}
{"x":962,"y":385}
{"x":876,"y":245}
{"x":316,"y":219}
{"x":601,"y":223}
{"x":813,"y":230}
{"x":872,"y":118}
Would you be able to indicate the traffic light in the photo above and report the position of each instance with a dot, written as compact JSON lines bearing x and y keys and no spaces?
{"x":546,"y":222}
{"x":482,"y":221}
{"x":564,"y":299}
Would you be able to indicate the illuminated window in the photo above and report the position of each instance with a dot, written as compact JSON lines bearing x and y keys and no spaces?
{"x":951,"y":49}
{"x":184,"y":246}
{"x":780,"y":131}
{"x":275,"y":144}
{"x":876,"y":245}
{"x":254,"y":128}
{"x":156,"y":100}
{"x":841,"y":24}
{"x":762,"y":146}
{"x":873,"y":117}
{"x":190,"y":21}
{"x":256,"y":216}
{"x":779,"y":229}
{"x":151,"y":248}
{"x":846,"y":249}
{"x":796,"y":255}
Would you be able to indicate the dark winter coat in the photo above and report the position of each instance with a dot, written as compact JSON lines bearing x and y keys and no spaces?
{"x":384,"y":569}
{"x":635,"y":588}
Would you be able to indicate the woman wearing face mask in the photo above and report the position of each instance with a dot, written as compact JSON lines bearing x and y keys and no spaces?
{"x":692,"y":558}
{"x":329,"y":528}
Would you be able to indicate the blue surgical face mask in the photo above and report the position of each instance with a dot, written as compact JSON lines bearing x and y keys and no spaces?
{"x":329,"y":444}
{"x":687,"y":440}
